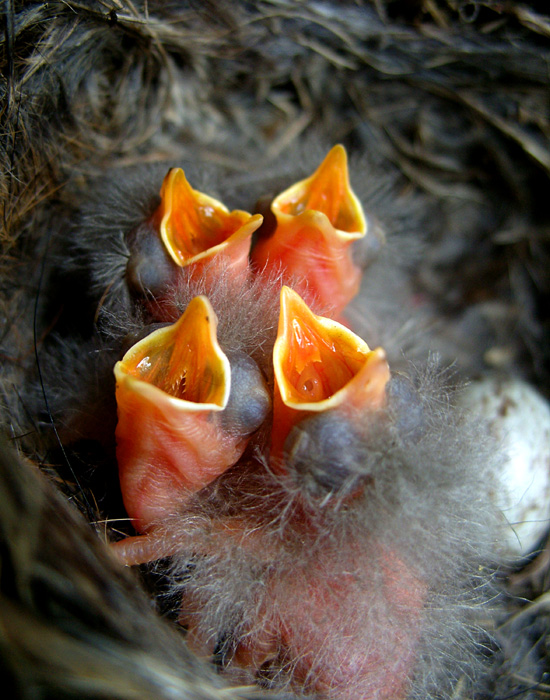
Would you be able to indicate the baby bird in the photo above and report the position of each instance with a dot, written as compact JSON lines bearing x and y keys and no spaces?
{"x":323,"y":509}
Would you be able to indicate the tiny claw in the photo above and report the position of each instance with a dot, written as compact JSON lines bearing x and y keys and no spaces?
{"x":172,"y":387}
{"x":197,"y":229}
{"x":317,"y":220}
{"x":319,"y":365}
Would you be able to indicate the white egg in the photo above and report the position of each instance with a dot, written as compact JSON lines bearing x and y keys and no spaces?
{"x":519,"y":418}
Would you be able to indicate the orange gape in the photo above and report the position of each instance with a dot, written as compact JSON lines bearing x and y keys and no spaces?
{"x":171,"y":389}
{"x":320,"y":365}
{"x":317,"y":220}
{"x":199,"y":232}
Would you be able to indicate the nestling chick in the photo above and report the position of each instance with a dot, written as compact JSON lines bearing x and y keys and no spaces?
{"x":332,"y":544}
{"x":332,"y":583}
{"x":288,"y":568}
{"x":298,"y":565}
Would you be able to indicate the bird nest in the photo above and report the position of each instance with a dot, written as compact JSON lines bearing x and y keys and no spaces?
{"x":443,"y":109}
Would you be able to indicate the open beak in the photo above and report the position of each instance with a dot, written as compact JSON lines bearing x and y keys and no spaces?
{"x":199,"y":231}
{"x":320,"y":365}
{"x":172,"y":387}
{"x":317,"y":220}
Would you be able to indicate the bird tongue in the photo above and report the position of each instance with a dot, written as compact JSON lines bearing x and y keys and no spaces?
{"x":183,"y":361}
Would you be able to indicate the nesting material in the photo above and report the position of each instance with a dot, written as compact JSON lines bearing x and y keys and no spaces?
{"x":302,"y":576}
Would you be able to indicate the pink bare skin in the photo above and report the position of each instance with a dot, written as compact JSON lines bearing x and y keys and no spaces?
{"x":153,"y":488}
{"x":342,"y":625}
